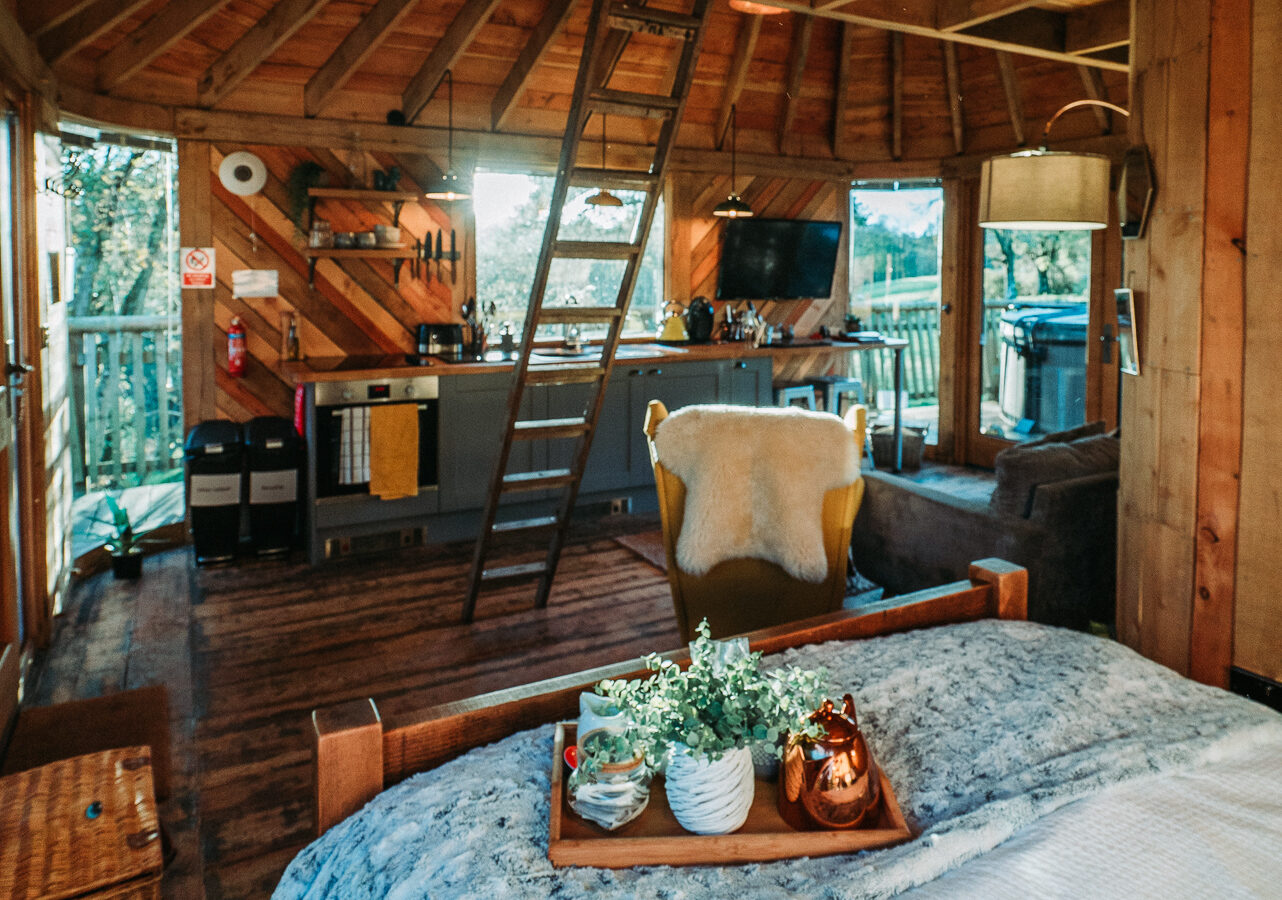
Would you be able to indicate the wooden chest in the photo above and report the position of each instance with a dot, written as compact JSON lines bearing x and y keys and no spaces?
{"x":81,"y":827}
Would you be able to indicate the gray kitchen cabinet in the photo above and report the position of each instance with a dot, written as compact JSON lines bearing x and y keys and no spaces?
{"x":473,"y":414}
{"x":676,"y":384}
{"x":748,"y":382}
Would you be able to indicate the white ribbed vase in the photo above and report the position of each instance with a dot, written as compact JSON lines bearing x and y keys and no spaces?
{"x":710,"y":797}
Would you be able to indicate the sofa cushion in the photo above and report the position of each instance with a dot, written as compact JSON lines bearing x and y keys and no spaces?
{"x":1022,"y":468}
{"x":1063,"y":437}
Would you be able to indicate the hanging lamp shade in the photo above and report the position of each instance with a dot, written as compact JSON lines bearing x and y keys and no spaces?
{"x":756,"y":9}
{"x":1041,"y":190}
{"x":449,"y":186}
{"x":603,"y":197}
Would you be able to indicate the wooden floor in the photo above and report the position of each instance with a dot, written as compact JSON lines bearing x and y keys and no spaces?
{"x":248,"y":651}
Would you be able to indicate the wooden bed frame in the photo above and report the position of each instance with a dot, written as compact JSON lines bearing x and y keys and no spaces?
{"x":357,"y":755}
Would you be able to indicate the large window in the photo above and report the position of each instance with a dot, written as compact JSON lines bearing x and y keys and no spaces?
{"x":1036,"y":288}
{"x":894,"y":288}
{"x":511,"y":211}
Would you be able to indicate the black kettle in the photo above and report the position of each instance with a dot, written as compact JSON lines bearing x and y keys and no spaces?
{"x":699,"y":320}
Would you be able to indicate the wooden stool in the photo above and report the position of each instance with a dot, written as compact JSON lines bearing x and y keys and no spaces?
{"x":786,"y":394}
{"x":834,"y":387}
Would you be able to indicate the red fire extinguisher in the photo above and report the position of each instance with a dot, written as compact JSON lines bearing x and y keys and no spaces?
{"x":236,"y":348}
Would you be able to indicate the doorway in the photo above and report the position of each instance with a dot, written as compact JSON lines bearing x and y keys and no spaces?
{"x":12,"y":628}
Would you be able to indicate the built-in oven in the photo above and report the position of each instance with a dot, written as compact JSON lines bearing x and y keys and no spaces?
{"x":342,"y":430}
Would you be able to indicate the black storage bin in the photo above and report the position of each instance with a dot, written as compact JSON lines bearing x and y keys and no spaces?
{"x":213,"y":454}
{"x":1043,"y":369}
{"x":274,"y":456}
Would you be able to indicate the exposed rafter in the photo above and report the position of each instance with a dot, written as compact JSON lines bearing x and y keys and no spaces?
{"x":260,"y":42}
{"x":37,"y":18}
{"x":357,"y":47}
{"x":802,"y":31}
{"x":896,"y":95}
{"x":745,"y":46}
{"x":20,"y":57}
{"x":174,"y":22}
{"x":952,"y":82}
{"x":1014,"y":102}
{"x":460,"y":33}
{"x":552,"y":23}
{"x":955,"y":15}
{"x":59,"y":43}
{"x":841,"y":97}
{"x":1093,"y":84}
{"x":1093,"y":29}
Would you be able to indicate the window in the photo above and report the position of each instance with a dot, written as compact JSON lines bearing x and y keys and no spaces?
{"x":511,"y":212}
{"x":894,"y":288}
{"x":1036,"y":288}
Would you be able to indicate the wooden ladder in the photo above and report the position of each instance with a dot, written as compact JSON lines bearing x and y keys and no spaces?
{"x":609,"y":27}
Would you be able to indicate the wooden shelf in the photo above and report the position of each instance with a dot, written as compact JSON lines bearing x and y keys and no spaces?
{"x":364,"y":194}
{"x":359,"y":253}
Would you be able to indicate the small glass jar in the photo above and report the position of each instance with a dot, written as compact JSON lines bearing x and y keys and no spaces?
{"x":322,"y":236}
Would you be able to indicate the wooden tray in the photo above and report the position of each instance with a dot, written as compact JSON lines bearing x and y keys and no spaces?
{"x":655,"y":838}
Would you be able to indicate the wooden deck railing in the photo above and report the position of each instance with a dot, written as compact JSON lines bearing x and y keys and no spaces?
{"x":126,"y":393}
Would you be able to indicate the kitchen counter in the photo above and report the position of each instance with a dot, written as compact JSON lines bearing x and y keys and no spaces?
{"x":352,"y":368}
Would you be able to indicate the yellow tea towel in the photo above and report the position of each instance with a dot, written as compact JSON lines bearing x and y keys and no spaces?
{"x":393,"y":450}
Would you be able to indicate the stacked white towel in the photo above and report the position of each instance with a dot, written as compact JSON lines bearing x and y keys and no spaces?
{"x":353,"y":456}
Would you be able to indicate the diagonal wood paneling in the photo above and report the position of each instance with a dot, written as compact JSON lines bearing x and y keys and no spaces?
{"x":354,"y":307}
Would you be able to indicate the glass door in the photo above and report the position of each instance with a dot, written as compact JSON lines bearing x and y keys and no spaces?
{"x":11,"y":630}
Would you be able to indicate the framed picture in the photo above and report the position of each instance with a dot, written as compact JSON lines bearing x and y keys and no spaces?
{"x":1128,"y":344}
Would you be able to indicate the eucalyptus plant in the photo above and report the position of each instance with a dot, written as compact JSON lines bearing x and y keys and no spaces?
{"x":720,"y":702}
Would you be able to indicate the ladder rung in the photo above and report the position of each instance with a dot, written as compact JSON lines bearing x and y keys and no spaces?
{"x":534,"y":429}
{"x":630,"y":103}
{"x":617,"y":179}
{"x":523,"y":525}
{"x":595,"y":249}
{"x":653,"y":21}
{"x":513,"y":573}
{"x":564,"y":315}
{"x":537,"y":481}
{"x":563,"y":374}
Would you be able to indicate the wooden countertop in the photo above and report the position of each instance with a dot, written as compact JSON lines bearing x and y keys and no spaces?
{"x":389,"y":366}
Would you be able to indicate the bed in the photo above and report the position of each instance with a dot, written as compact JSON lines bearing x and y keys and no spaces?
{"x":1030,"y":761}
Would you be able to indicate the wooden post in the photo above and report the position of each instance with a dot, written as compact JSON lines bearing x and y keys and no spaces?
{"x":196,"y":230}
{"x":348,"y":760}
{"x":1009,"y":584}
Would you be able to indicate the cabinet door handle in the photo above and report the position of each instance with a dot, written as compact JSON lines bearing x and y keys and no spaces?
{"x":741,"y":365}
{"x":635,"y":372}
{"x":656,"y":372}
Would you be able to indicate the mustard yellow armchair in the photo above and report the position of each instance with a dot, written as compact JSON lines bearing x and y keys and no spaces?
{"x":744,"y":594}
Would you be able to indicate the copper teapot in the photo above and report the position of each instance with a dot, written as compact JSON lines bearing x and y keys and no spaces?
{"x":832,"y":781}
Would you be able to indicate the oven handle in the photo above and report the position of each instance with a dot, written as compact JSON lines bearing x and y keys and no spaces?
{"x":338,"y":410}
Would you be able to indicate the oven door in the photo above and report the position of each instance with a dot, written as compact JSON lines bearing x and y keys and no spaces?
{"x":330,"y":440}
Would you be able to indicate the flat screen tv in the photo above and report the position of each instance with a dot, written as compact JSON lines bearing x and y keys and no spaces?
{"x":778,"y":259}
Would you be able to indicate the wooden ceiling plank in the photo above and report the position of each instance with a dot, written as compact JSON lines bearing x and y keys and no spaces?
{"x":896,"y":95}
{"x":61,"y":42}
{"x":460,"y":33}
{"x":551,"y":25}
{"x":260,"y":42}
{"x":20,"y":57}
{"x":802,"y":31}
{"x":952,"y":80}
{"x":956,"y":15}
{"x":351,"y":54}
{"x":1008,"y":42}
{"x":1099,"y":27}
{"x":37,"y":18}
{"x":1014,"y":102}
{"x":166,"y":28}
{"x":745,"y":46}
{"x":841,"y":98}
{"x":1093,"y":84}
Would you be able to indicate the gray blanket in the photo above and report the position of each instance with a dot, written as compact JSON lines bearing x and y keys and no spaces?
{"x":981,"y":727}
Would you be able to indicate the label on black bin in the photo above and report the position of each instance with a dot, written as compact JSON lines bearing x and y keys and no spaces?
{"x":215,"y":490}
{"x":273,"y":487}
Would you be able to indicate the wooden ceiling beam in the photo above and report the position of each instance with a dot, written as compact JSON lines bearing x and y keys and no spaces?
{"x":1093,"y":84}
{"x":552,"y":23}
{"x":351,"y":54}
{"x":166,"y":28}
{"x":92,"y":23}
{"x":802,"y":31}
{"x":1092,"y":29}
{"x":37,"y":18}
{"x":745,"y":46}
{"x":1014,"y":101}
{"x":957,"y":15}
{"x":952,"y":81}
{"x":253,"y":48}
{"x":896,"y":95}
{"x":456,"y":39}
{"x":19,"y":56}
{"x":841,"y":98}
{"x":1008,"y":40}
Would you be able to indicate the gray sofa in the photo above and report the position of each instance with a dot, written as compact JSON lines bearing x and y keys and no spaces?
{"x":908,"y":536}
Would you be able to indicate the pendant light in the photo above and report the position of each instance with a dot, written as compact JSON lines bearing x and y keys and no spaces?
{"x":603,"y":197}
{"x":1044,"y":190}
{"x":449,"y":186}
{"x":733,"y":206}
{"x":753,"y":8}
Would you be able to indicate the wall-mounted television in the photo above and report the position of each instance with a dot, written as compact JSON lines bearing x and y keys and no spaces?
{"x":778,"y":259}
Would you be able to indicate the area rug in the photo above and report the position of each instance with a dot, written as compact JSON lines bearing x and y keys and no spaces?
{"x":648,"y":545}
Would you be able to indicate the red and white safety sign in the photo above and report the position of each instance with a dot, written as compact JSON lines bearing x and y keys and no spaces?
{"x":197,"y":267}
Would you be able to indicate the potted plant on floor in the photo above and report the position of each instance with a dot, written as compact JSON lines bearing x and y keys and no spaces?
{"x":701,"y":723}
{"x":125,"y":548}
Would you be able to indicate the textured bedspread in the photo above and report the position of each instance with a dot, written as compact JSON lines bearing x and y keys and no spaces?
{"x":982,"y":728}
